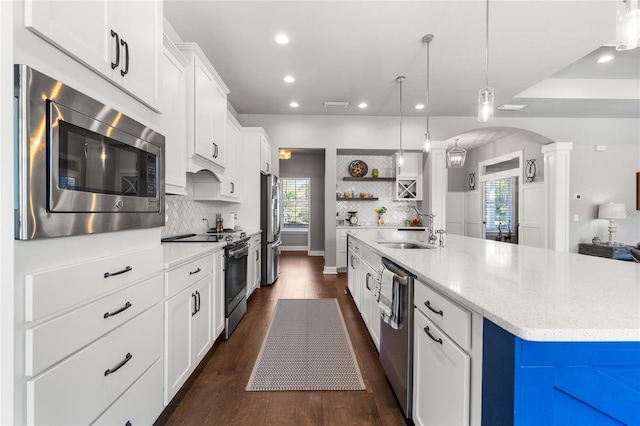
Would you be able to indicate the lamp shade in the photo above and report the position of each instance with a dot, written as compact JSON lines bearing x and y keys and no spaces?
{"x":612,"y":211}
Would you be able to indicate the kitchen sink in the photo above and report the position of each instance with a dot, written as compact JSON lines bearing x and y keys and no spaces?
{"x":404,"y":245}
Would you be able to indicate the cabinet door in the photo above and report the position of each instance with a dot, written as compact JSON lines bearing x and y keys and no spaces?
{"x":177,"y":342}
{"x":174,"y":119}
{"x":353,"y":277}
{"x":229,"y":185}
{"x":411,"y":167}
{"x":265,"y":155}
{"x":66,"y":24}
{"x":218,"y":301}
{"x":140,"y":56}
{"x":366,"y":292}
{"x":202,"y":321}
{"x":204,"y":106}
{"x":374,"y":310}
{"x":441,"y":377}
{"x":258,"y":269}
{"x":341,"y":248}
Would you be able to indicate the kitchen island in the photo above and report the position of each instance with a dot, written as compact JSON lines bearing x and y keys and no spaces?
{"x":560,"y":331}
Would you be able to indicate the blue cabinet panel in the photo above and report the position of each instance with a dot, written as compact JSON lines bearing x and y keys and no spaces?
{"x":558,"y":383}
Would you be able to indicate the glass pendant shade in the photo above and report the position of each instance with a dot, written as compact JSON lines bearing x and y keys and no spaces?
{"x":284,"y":154}
{"x":628,"y":25}
{"x":456,"y":157}
{"x":485,"y":104}
{"x":427,"y":142}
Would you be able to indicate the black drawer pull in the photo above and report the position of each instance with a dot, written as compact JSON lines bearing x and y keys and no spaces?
{"x":128,"y":423}
{"x":119,"y":366}
{"x":124,"y":308}
{"x":428,"y":305}
{"x":195,"y":304}
{"x":126,"y":56}
{"x":115,"y":64}
{"x":113,"y":274}
{"x":195,"y":272}
{"x":437,"y":340}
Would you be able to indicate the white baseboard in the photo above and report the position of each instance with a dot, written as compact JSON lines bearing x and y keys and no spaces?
{"x":330,"y":270}
{"x":316,"y":253}
{"x":293,"y":248}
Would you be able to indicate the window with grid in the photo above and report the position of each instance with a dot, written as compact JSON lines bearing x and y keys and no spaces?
{"x":295,"y":203}
{"x":499,"y":204}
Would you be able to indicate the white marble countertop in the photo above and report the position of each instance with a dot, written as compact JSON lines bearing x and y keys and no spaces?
{"x":535,"y":294}
{"x":178,"y":253}
{"x":385,"y":226}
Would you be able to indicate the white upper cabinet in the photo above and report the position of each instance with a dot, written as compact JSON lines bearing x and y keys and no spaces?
{"x":173,"y":121}
{"x":409,"y":177}
{"x":206,"y":113}
{"x":265,"y":154}
{"x":120,"y":40}
{"x":229,"y":187}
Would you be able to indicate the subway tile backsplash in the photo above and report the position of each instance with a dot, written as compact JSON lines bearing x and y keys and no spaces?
{"x":396,"y":210}
{"x":184,"y":214}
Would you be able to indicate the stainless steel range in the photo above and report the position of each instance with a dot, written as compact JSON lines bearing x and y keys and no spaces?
{"x":235,"y":271}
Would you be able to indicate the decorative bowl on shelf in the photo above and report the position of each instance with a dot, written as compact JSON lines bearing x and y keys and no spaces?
{"x":358,"y":168}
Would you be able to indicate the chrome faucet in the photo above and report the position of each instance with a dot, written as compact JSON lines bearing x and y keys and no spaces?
{"x":432,"y":235}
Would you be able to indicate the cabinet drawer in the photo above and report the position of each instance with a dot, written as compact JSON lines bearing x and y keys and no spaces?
{"x":452,"y":318}
{"x":183,"y":276}
{"x":52,"y":291}
{"x":53,"y":340}
{"x":372,"y":258}
{"x":354,"y":245}
{"x":141,"y":404}
{"x":78,"y":389}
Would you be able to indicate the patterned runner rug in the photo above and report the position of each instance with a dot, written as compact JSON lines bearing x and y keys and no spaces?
{"x":306,"y":348}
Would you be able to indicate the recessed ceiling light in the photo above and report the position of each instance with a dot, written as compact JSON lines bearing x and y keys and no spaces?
{"x":281,"y":38}
{"x":294,"y":104}
{"x":604,"y":58}
{"x":362,"y":105}
{"x":420,"y":106}
{"x":289,"y":79}
{"x":511,"y":107}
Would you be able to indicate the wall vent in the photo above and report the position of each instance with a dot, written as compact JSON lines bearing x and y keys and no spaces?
{"x":336,"y":104}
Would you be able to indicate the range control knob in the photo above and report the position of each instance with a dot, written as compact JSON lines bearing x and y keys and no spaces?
{"x":119,"y":204}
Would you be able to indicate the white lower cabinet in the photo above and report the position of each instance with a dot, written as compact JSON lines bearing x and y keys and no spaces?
{"x":254,"y":273}
{"x":370,"y":304}
{"x":80,"y":388}
{"x":341,"y":248}
{"x":353,"y":277}
{"x":188,"y":322}
{"x":140,"y":404}
{"x":441,"y":376}
{"x":218,"y":301}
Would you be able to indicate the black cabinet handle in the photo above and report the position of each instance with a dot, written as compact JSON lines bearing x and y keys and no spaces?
{"x":128,"y":423}
{"x":233,"y":187}
{"x":195,"y":272}
{"x":115,"y":64}
{"x":198,"y":300}
{"x":126,"y":58}
{"x":124,"y":308}
{"x":126,"y":359}
{"x":428,"y":305}
{"x":366,"y":280}
{"x":195,"y":304}
{"x":437,"y":340}
{"x":113,"y":274}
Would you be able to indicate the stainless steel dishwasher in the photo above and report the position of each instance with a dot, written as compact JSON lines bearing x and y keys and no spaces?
{"x":396,"y":345}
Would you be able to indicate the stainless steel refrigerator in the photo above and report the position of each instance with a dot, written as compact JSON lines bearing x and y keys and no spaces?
{"x":270,"y":221}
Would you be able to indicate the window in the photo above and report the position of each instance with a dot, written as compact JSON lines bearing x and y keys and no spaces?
{"x":499,"y":204}
{"x":295,"y":203}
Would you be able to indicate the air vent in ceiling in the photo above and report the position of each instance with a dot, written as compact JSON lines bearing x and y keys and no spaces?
{"x":336,"y":104}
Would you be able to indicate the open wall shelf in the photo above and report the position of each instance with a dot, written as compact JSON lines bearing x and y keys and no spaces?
{"x":381,"y":179}
{"x":356,"y":198}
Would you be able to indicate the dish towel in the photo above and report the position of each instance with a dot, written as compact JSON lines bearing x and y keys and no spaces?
{"x":385,"y":301}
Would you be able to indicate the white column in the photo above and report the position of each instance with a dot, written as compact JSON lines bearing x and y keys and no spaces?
{"x":557,"y":160}
{"x":437,"y":184}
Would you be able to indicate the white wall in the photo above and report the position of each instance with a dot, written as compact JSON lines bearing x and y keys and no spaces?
{"x":334,"y":132}
{"x":6,"y":214}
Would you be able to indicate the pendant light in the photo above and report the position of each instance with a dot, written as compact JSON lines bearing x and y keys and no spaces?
{"x":485,"y":98}
{"x":456,"y":157}
{"x":427,"y":136}
{"x":400,"y":80}
{"x":628,"y":25}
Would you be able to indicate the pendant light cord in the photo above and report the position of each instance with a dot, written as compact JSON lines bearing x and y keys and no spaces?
{"x":400,"y":80}
{"x":486,"y":63}
{"x":428,"y":134}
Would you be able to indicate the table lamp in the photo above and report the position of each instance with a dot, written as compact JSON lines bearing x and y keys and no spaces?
{"x":611,"y":212}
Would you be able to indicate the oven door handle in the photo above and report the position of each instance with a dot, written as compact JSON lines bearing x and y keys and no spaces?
{"x":238,"y":253}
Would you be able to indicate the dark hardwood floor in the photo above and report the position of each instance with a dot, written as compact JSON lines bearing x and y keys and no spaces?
{"x":215,"y":394}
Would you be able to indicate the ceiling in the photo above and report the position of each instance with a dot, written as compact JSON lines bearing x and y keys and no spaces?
{"x":541,"y":53}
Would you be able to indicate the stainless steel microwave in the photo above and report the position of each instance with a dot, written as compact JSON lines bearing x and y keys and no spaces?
{"x":82,"y":167}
